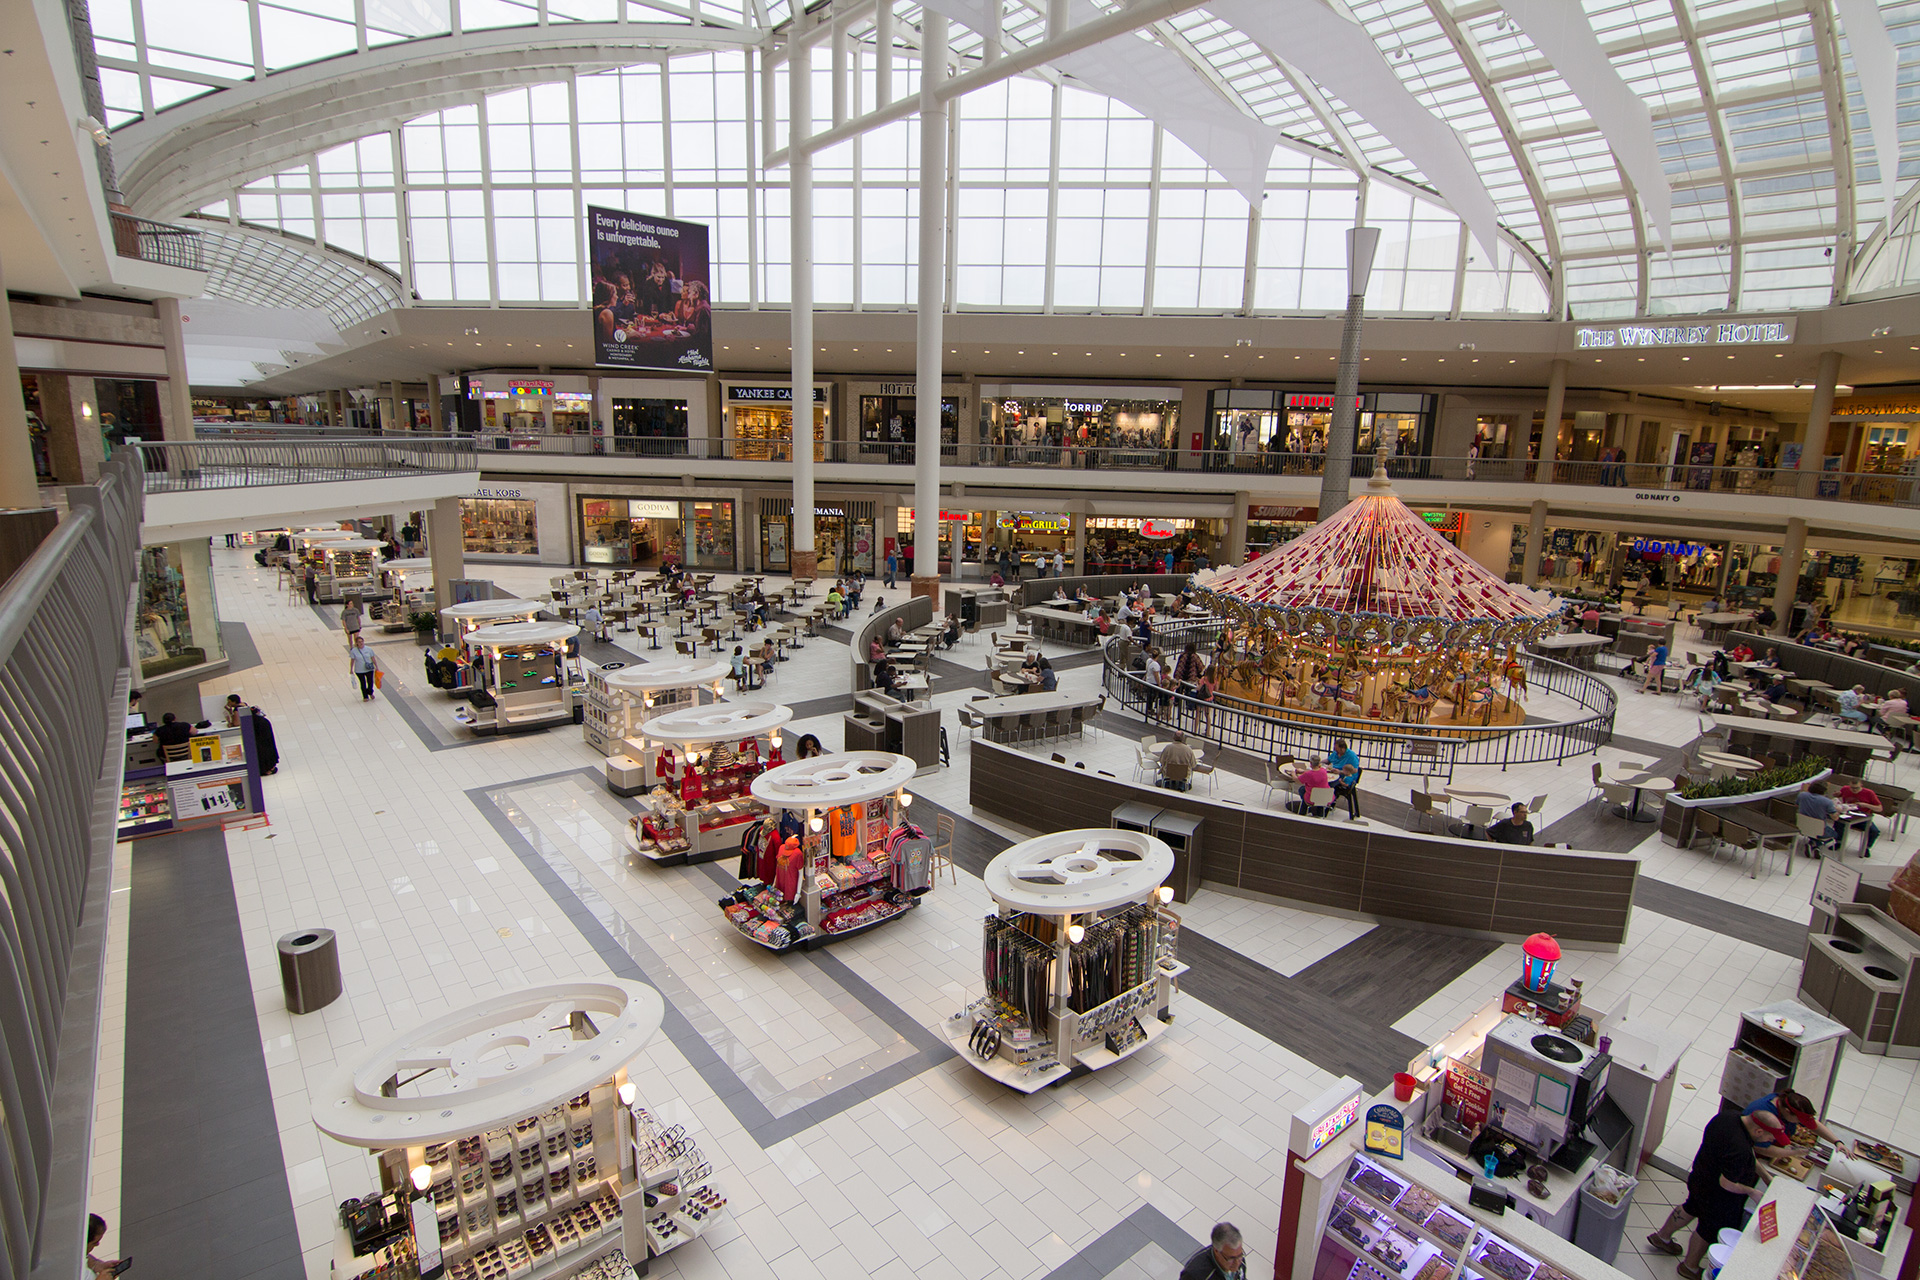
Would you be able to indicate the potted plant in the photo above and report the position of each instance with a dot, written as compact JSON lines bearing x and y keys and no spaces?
{"x":424,"y":624}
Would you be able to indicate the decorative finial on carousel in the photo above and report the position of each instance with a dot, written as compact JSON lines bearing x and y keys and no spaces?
{"x":1379,"y":482}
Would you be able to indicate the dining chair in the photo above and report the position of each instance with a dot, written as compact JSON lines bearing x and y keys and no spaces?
{"x":1319,"y":802}
{"x":1478,"y":815}
{"x":1422,"y":809}
{"x":1707,"y":823}
{"x":942,"y":848}
{"x":1616,"y":793}
{"x":1812,"y":830}
{"x":1145,"y":764}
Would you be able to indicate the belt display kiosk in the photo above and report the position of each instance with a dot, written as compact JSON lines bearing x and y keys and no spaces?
{"x":840,"y":858}
{"x":700,"y":762}
{"x":619,"y":698}
{"x":521,"y":671}
{"x":517,"y":1145}
{"x":1080,"y":958}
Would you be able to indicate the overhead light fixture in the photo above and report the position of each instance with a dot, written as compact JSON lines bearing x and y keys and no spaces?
{"x":1166,"y":893}
{"x":627,"y":1094}
{"x":1075,"y":934}
{"x":422,"y":1175}
{"x":906,"y":800}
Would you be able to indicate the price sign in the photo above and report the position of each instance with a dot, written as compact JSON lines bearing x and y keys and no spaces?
{"x":1769,"y":1217}
{"x":1469,"y":1090}
{"x":1386,"y":1131}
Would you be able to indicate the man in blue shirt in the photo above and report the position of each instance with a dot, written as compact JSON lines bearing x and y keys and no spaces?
{"x":1345,"y":767}
{"x":1814,"y":802}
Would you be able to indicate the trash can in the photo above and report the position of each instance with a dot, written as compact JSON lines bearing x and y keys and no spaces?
{"x":309,"y":969}
{"x":1601,"y":1226}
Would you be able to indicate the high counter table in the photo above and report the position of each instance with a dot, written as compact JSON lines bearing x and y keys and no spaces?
{"x":1575,"y":648}
{"x":1062,"y":624}
{"x":1853,"y":747}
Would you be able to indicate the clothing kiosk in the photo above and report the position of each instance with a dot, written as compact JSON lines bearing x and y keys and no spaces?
{"x":840,"y":858}
{"x":456,"y":672}
{"x":1080,"y":960}
{"x":521,"y":670}
{"x":700,"y":763}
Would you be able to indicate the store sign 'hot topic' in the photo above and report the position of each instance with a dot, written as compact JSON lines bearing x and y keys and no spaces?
{"x":1732,"y":333}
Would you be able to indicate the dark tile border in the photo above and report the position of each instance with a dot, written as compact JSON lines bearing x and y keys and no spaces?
{"x":1121,"y":1242}
{"x":754,"y":1116}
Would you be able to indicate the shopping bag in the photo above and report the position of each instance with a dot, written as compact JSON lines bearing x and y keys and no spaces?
{"x":376,"y":677}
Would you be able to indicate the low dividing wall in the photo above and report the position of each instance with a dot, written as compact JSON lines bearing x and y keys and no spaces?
{"x":1809,"y":663}
{"x":1040,"y":590}
{"x":914,"y":611}
{"x":1496,"y":890}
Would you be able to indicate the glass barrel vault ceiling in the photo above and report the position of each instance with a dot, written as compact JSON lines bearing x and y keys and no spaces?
{"x":1067,"y":200}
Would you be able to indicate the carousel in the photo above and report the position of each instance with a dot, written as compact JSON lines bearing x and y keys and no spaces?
{"x":1373,"y":615}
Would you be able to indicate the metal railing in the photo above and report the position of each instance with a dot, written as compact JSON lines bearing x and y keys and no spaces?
{"x":1381,"y":745}
{"x":204,"y":464}
{"x":64,"y":663}
{"x":1762,"y":482}
{"x":160,"y":242}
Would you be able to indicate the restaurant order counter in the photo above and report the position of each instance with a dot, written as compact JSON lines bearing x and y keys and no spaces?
{"x":701,"y":763}
{"x":512,"y":1142}
{"x":836,"y":854}
{"x":1080,"y":958}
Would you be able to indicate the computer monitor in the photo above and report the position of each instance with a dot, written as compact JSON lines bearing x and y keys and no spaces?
{"x":136,"y":720}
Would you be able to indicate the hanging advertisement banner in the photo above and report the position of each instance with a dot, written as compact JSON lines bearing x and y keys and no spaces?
{"x":652,"y":291}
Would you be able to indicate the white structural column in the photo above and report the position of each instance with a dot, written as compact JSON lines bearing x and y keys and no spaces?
{"x":1786,"y":585}
{"x":1550,"y":421}
{"x":18,"y":488}
{"x":176,"y":396}
{"x":1536,"y":539}
{"x":1813,"y":449}
{"x":803,"y":558}
{"x":446,"y":547}
{"x":930,"y":332}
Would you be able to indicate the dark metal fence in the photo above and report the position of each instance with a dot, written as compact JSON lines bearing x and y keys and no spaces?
{"x":1389,"y":748}
{"x":63,"y":671}
{"x":160,"y":242}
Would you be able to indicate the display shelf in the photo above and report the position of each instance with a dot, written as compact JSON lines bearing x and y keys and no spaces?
{"x":959,"y":1028}
{"x":1100,"y":1056}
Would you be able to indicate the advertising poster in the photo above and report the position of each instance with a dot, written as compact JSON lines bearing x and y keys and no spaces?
{"x":1700,"y":474}
{"x":652,"y":291}
{"x":1470,"y":1091}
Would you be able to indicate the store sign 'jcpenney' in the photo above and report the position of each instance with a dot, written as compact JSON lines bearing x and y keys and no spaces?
{"x":1732,"y":333}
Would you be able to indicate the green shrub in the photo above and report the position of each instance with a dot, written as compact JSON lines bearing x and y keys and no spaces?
{"x":1784,"y":775}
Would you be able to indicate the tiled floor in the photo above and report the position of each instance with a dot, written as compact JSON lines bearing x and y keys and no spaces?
{"x":454,"y":867}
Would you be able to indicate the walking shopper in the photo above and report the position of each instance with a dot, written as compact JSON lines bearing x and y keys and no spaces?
{"x":893,"y":565}
{"x":312,"y":579}
{"x":1225,"y":1258}
{"x":350,"y":618}
{"x":361,"y":662}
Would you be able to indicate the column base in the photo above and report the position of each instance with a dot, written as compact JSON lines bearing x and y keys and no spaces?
{"x":928,"y":587}
{"x":803,"y":564}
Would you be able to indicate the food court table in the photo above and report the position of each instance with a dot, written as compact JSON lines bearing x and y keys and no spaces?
{"x":1852,"y":746}
{"x":1063,"y":624}
{"x":1575,"y":648}
{"x":1714,"y":626}
{"x":1642,"y":783}
{"x":994,"y":712}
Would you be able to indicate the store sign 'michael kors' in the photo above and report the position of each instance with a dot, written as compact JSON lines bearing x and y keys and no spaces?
{"x":1738,"y":333}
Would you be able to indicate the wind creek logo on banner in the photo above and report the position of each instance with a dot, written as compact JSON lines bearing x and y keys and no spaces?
{"x":652,"y":291}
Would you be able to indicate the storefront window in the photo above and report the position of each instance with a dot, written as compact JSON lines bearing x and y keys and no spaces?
{"x":843,"y":536}
{"x":630,"y":531}
{"x":650,"y":428}
{"x":179,"y":623}
{"x":760,"y":419}
{"x":129,"y":410}
{"x":888,"y":425}
{"x":1283,"y":432}
{"x":710,"y":535}
{"x":498,"y":526}
{"x":1090,"y":433}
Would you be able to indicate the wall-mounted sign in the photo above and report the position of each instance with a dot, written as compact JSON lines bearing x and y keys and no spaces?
{"x":642,"y":509}
{"x":529,"y":387}
{"x":1315,"y":402}
{"x":1333,"y":1124}
{"x":1386,"y":1131}
{"x":770,"y":395}
{"x":1446,"y":521}
{"x":835,"y":512}
{"x":1733,"y":333}
{"x":1263,"y":511}
{"x":1876,"y":408}
{"x":1084,"y":406}
{"x":578,"y":397}
{"x":1032,"y":522}
{"x":497,"y":493}
{"x":1156,"y":529}
{"x":1843,"y":566}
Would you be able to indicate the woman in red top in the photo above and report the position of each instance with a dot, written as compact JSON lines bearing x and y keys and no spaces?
{"x":693,"y":312}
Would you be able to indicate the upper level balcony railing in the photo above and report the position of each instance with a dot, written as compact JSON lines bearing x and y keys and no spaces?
{"x":1879,"y":488}
{"x":160,"y":242}
{"x":180,"y":467}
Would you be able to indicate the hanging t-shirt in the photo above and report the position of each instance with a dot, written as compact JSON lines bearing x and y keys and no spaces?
{"x":843,"y":826}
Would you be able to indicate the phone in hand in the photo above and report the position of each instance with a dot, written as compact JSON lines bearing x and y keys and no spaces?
{"x":122,"y":1265}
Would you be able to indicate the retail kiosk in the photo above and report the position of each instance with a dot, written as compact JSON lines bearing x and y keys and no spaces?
{"x":458,"y":672}
{"x":848,"y":859}
{"x":343,"y":566}
{"x":620,"y":697}
{"x":1080,"y":959}
{"x":403,"y":600}
{"x":512,"y":1142}
{"x":700,"y":763}
{"x":523,"y":677}
{"x":216,"y":785}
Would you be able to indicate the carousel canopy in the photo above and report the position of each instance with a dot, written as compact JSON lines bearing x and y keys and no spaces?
{"x":1375,"y":556}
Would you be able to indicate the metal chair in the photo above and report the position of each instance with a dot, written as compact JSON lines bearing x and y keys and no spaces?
{"x":1707,"y":823}
{"x":1616,"y":793}
{"x":1536,"y":806}
{"x":1319,"y":802}
{"x":1422,"y":808}
{"x":1812,"y":830}
{"x":1146,"y":765}
{"x":1201,"y":769}
{"x":1742,"y":839}
{"x":1478,"y":815}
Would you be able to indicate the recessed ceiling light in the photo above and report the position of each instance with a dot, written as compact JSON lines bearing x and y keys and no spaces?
{"x":1021,"y":353}
{"x":1643,"y":359}
{"x":1686,"y":357}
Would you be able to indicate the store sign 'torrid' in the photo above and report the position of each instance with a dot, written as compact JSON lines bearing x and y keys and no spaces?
{"x":1730,"y":333}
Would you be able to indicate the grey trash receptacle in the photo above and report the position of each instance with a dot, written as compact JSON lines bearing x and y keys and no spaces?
{"x":1601,"y":1226}
{"x":309,"y":969}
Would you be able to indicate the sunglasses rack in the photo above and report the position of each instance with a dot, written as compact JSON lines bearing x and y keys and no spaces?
{"x":679,"y":1199}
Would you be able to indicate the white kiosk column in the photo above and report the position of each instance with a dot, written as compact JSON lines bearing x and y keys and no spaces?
{"x":803,"y":560}
{"x":929,"y":329}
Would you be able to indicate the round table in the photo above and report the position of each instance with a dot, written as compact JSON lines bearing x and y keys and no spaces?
{"x":1738,"y":763}
{"x":1640,"y":784}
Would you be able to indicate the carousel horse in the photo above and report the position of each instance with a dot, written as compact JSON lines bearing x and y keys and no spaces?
{"x":1515,"y":673}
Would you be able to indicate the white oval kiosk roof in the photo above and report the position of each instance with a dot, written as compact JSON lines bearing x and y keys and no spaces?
{"x":717,"y":722}
{"x":668,"y":675}
{"x":825,"y":781}
{"x":497,"y":1061}
{"x":330,"y":535}
{"x":412,"y":564}
{"x":473,"y":609}
{"x":352,"y":544}
{"x":502,"y":634}
{"x":1090,"y":869}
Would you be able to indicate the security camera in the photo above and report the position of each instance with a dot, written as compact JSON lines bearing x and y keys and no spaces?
{"x":95,"y":130}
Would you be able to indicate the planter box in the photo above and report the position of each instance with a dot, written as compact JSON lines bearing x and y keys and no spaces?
{"x":1677,"y":816}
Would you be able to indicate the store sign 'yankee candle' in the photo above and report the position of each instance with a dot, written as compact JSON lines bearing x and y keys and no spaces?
{"x":770,"y":395}
{"x":1734,"y":333}
{"x":1386,"y":1131}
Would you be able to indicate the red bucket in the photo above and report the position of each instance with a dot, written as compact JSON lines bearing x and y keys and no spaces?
{"x":1404,"y":1085}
